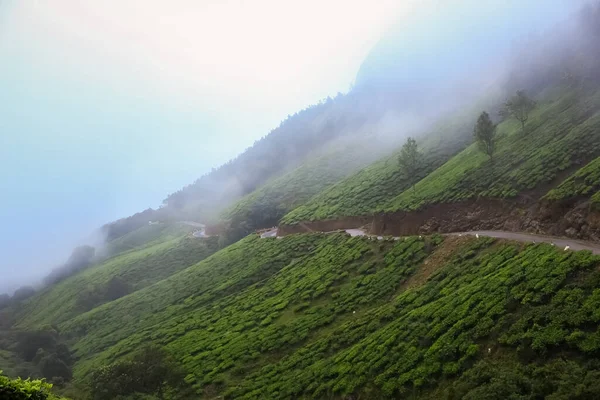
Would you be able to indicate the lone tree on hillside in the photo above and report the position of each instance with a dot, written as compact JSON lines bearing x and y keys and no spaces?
{"x":519,"y":106}
{"x":485,"y":135}
{"x":410,"y":160}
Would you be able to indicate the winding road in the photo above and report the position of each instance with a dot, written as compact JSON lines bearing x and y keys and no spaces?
{"x":199,"y":233}
{"x":564,"y":243}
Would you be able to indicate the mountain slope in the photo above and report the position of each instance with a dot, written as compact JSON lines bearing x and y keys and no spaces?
{"x":366,"y":191}
{"x":329,"y":315}
{"x":264,"y":207}
{"x":468,"y":191}
{"x":561,"y":134}
{"x":113,"y":278}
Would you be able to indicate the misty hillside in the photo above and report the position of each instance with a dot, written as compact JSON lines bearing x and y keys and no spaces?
{"x":284,"y":149}
{"x":381,"y":278}
{"x":563,"y":135}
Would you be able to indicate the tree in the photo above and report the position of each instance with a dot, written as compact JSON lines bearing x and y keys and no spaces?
{"x":519,"y":106}
{"x":151,"y":371}
{"x":485,"y":134}
{"x":23,"y":293}
{"x":410,"y":160}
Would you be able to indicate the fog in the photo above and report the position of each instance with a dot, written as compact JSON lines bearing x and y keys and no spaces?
{"x":107,"y":107}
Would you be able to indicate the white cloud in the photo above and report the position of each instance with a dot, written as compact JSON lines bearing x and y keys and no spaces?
{"x":232,"y":53}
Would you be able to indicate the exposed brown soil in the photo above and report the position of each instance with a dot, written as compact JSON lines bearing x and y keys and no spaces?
{"x":326,"y":225}
{"x":573,"y":219}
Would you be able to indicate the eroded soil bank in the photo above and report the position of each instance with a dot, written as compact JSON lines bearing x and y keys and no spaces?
{"x":574,"y":219}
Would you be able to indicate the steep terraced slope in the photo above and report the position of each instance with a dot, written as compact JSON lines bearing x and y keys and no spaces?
{"x":322,"y":316}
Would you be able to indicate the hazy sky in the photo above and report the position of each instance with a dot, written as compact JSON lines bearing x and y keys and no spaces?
{"x":108,"y":106}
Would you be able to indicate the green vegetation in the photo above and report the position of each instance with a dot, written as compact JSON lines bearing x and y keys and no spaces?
{"x":485,"y":135}
{"x":583,"y":183}
{"x":562,"y":133}
{"x":315,"y":315}
{"x":265,"y":206}
{"x":410,"y":159}
{"x":255,"y":289}
{"x":133,"y":270}
{"x":19,"y":389}
{"x":519,"y":106}
{"x":165,"y":315}
{"x":151,"y":371}
{"x":367,"y":190}
{"x":285,"y":148}
{"x":147,"y":235}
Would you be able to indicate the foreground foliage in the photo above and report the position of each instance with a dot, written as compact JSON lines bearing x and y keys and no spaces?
{"x":151,"y":371}
{"x":19,"y":389}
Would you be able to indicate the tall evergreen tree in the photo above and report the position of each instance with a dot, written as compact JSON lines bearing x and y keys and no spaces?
{"x":485,"y":134}
{"x":410,"y":160}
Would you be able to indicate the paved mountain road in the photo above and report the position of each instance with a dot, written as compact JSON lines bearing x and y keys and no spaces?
{"x":564,"y":243}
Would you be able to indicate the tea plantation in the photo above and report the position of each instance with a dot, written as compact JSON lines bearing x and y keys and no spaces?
{"x":562,"y":135}
{"x":330,"y":316}
{"x":584,"y":183}
{"x":126,"y":273}
{"x":265,"y":206}
{"x":365,"y":191}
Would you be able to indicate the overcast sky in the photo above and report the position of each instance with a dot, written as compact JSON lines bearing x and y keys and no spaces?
{"x":108,"y":106}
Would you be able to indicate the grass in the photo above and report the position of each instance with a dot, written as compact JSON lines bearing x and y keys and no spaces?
{"x":146,"y":236}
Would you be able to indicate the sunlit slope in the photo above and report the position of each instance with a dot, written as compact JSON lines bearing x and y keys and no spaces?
{"x":265,"y":206}
{"x":115,"y":277}
{"x":367,"y":190}
{"x":318,"y":315}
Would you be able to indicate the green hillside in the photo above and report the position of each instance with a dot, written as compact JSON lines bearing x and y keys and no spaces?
{"x":115,"y":277}
{"x":147,"y":235}
{"x":563,"y":132}
{"x":158,"y":314}
{"x":365,"y":191}
{"x":584,"y":183}
{"x":265,"y":206}
{"x":317,"y":315}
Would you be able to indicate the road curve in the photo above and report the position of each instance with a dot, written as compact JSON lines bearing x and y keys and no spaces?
{"x":564,"y":243}
{"x":199,"y":233}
